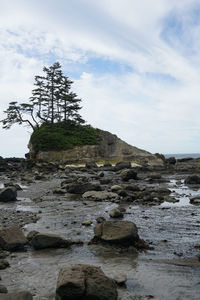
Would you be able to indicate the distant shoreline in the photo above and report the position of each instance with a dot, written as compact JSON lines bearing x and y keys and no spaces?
{"x":182,"y":155}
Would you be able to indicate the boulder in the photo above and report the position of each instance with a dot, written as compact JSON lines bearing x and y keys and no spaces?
{"x":122,"y":165}
{"x":48,"y":240}
{"x":193,"y":179}
{"x":16,"y":296}
{"x":116,"y":213}
{"x":12,"y":238}
{"x":128,"y":174}
{"x":84,"y":282}
{"x":3,"y":289}
{"x":8,"y":194}
{"x":91,"y":165}
{"x":195,"y":200}
{"x":80,"y":188}
{"x":119,"y":232}
{"x":99,"y":195}
{"x":4,"y":264}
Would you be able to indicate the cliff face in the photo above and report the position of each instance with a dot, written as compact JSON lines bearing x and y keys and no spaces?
{"x":110,"y":149}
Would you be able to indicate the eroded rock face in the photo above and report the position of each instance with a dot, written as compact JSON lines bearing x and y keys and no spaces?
{"x":84,"y":282}
{"x":110,"y":149}
{"x":118,"y":232}
{"x":12,"y":238}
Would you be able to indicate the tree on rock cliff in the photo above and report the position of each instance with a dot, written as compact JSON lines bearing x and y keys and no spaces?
{"x":51,"y":102}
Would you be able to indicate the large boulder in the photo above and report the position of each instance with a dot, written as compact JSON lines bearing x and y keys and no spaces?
{"x":99,"y":195}
{"x":81,"y":187}
{"x":12,"y":238}
{"x":84,"y":282}
{"x":118,"y":232}
{"x":48,"y":240}
{"x":122,"y":165}
{"x":8,"y":194}
{"x":16,"y":296}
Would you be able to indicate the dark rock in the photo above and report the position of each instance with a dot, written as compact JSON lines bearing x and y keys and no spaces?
{"x":119,"y":232}
{"x":195,"y":200}
{"x":193,"y":179}
{"x":16,"y":296}
{"x":8,"y":194}
{"x":48,"y":240}
{"x":4,"y":264}
{"x":85,"y":282}
{"x":128,"y":174}
{"x":100,"y":219}
{"x":12,"y":238}
{"x":99,"y":195}
{"x":91,"y":165}
{"x":171,"y":160}
{"x":3,"y":289}
{"x":122,"y":165}
{"x":80,"y":188}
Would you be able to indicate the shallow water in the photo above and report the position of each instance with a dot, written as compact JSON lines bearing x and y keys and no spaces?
{"x":171,"y":229}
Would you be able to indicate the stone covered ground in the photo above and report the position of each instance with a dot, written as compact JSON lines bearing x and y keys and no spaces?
{"x":77,"y":219}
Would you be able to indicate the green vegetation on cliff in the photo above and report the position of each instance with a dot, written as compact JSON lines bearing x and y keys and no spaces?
{"x":63,"y":136}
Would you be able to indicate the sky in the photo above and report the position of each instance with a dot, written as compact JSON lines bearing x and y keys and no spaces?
{"x":135,"y":65}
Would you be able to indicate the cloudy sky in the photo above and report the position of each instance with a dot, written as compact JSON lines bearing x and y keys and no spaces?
{"x":134,"y":63}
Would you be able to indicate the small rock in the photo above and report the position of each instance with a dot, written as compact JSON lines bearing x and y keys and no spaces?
{"x":87,"y":223}
{"x":115,"y":213}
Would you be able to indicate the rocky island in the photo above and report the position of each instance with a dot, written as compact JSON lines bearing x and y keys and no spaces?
{"x":88,"y":216}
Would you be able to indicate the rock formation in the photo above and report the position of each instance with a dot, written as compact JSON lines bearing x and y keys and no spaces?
{"x":109,"y":149}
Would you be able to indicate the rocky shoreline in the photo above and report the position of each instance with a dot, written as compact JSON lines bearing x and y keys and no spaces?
{"x":100,"y":216}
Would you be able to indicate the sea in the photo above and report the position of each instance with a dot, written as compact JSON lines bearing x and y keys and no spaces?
{"x":182,"y":155}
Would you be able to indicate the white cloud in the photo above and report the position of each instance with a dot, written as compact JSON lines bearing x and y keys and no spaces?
{"x":153,"y":112}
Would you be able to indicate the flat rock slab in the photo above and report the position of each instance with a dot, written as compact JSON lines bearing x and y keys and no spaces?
{"x":12,"y":238}
{"x":16,"y":296}
{"x":119,"y":232}
{"x":85,"y":282}
{"x":99,"y":195}
{"x":48,"y":240}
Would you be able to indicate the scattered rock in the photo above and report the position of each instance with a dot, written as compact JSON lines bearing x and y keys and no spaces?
{"x":120,"y":279}
{"x":126,"y":175}
{"x":8,"y":194}
{"x":3,"y":289}
{"x":85,"y":282}
{"x":116,"y":213}
{"x":4,"y":264}
{"x":87,"y":223}
{"x":193,"y":179}
{"x":116,"y":188}
{"x":119,"y":232}
{"x":48,"y":240}
{"x":12,"y":238}
{"x":122,"y":165}
{"x":99,"y":195}
{"x":195,"y":200}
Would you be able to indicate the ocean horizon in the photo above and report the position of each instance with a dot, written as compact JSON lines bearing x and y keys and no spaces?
{"x":182,"y":155}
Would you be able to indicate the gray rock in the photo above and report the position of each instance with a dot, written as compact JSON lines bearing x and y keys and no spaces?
{"x":12,"y":238}
{"x":84,"y":282}
{"x":8,"y":194}
{"x":48,"y":240}
{"x":16,"y":296}
{"x":99,"y":195}
{"x":122,"y":165}
{"x":3,"y":289}
{"x":116,"y":188}
{"x":4,"y":264}
{"x":128,"y":174}
{"x":120,"y":232}
{"x":116,"y":213}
